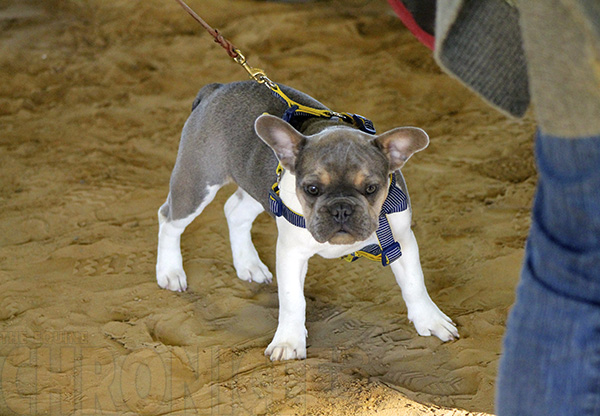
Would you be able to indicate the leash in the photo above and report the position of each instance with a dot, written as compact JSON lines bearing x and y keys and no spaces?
{"x":231,"y":50}
{"x":294,"y":109}
{"x":256,"y":74}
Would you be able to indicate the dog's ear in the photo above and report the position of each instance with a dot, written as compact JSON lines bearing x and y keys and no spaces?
{"x":285,"y":140}
{"x":399,"y":144}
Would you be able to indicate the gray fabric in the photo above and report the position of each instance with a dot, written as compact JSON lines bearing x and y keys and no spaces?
{"x":549,"y":49}
{"x":479,"y":42}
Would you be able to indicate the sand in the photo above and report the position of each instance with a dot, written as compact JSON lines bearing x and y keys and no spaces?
{"x":93,"y":95}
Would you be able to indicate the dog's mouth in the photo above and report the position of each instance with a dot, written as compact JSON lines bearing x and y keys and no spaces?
{"x":339,"y":237}
{"x":342,"y":236}
{"x":326,"y":230}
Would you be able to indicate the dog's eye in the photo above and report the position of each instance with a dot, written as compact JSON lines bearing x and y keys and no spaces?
{"x":312,"y":190}
{"x":371,"y":189}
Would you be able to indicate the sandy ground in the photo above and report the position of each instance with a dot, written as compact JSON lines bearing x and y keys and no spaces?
{"x":93,"y":95}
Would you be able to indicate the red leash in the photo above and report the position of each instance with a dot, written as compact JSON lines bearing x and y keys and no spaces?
{"x":256,"y":74}
{"x":231,"y":50}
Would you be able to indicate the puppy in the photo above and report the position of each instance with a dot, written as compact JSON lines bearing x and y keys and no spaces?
{"x":335,"y":176}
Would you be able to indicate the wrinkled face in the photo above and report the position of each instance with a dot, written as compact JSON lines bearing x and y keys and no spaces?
{"x":341,"y":182}
{"x":341,"y":173}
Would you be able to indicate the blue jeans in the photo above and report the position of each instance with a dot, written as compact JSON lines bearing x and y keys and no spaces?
{"x":551,"y":354}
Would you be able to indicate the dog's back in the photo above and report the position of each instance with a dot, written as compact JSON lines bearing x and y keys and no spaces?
{"x":218,"y":142}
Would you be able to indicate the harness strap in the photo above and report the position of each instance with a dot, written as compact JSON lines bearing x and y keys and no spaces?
{"x":279,"y":209}
{"x":299,"y":110}
{"x":388,"y":250}
{"x":299,"y":107}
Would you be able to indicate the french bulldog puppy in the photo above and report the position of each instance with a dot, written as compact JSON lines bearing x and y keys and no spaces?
{"x":336,"y":176}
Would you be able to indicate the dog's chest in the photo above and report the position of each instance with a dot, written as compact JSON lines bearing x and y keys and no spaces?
{"x":331,"y":251}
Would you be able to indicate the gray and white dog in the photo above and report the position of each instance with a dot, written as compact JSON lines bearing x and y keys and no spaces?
{"x":335,"y":175}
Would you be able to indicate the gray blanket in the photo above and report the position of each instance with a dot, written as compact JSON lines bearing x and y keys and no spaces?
{"x":544,"y":51}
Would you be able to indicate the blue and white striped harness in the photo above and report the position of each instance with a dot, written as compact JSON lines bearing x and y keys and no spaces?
{"x":388,"y":249}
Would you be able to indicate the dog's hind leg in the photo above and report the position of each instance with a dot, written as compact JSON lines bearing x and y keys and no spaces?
{"x":173,"y":217}
{"x":241,"y":210}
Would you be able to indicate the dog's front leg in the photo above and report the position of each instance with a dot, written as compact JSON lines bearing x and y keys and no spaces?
{"x":422,"y":311}
{"x":289,"y":341}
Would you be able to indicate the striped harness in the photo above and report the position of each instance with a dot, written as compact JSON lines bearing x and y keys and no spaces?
{"x":387,"y":250}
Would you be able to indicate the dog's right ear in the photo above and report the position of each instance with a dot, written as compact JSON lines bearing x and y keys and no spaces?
{"x":285,"y":140}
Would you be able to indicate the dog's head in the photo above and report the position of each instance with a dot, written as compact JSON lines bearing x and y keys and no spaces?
{"x":341,"y":173}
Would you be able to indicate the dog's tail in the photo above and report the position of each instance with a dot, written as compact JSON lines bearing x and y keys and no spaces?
{"x":204,"y":92}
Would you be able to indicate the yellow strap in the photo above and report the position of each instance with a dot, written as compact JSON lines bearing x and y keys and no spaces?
{"x":309,"y":110}
{"x":275,"y":189}
{"x":279,"y":171}
{"x":359,"y":253}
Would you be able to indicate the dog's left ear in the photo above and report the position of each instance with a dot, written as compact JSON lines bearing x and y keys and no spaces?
{"x":399,"y":144}
{"x":285,"y":140}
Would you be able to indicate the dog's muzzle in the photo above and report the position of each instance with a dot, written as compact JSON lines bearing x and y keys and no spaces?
{"x":340,"y":211}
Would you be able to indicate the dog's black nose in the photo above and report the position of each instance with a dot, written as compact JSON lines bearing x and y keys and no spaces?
{"x":341,"y":211}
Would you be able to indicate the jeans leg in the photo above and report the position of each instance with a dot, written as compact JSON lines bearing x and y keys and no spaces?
{"x":551,"y":356}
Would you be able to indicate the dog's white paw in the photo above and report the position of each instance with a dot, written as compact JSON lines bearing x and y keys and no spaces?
{"x":173,"y":279}
{"x":254,"y":271}
{"x":430,"y":320}
{"x":290,"y":347}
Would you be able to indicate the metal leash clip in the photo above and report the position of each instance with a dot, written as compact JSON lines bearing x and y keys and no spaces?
{"x":256,"y":74}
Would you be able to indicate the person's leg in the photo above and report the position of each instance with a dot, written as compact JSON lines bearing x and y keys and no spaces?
{"x":551,"y":356}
